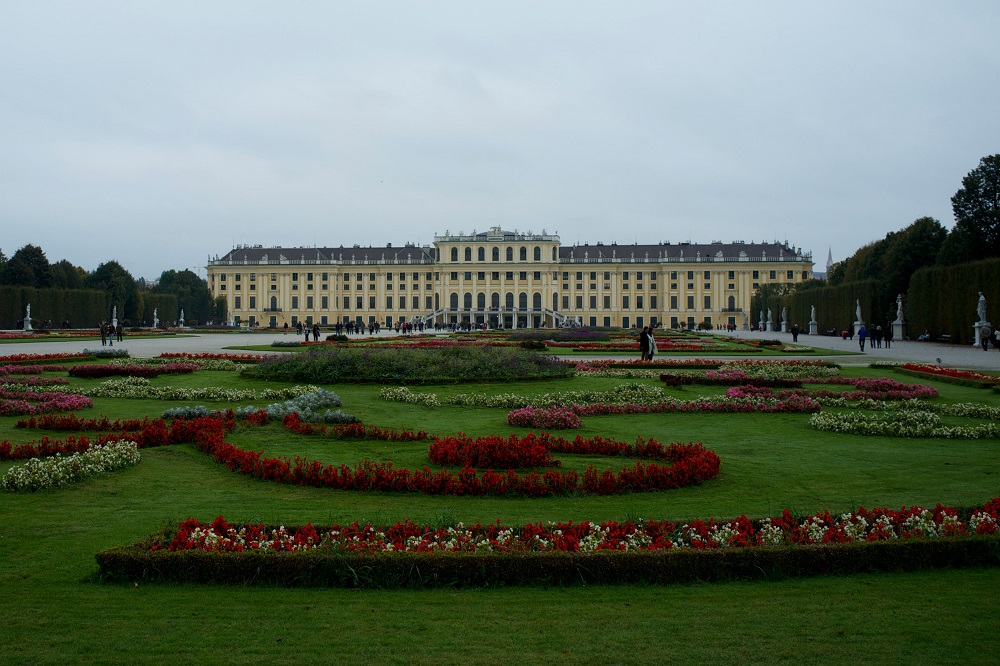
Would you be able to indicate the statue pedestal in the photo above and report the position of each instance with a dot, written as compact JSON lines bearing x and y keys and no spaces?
{"x":27,"y":325}
{"x":899,"y":330}
{"x":784,"y":327}
{"x":813,"y":328}
{"x":978,"y":327}
{"x":857,"y":326}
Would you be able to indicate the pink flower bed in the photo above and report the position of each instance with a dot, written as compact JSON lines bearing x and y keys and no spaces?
{"x":551,"y":418}
{"x":16,"y":403}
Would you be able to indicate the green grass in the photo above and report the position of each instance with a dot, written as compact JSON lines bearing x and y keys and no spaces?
{"x":56,"y":612}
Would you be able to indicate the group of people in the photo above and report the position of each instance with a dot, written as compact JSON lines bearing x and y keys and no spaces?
{"x":108,"y":333}
{"x":647,"y":344}
{"x":875,"y":337}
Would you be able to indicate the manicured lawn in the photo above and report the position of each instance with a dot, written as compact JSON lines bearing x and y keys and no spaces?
{"x":57,"y":612}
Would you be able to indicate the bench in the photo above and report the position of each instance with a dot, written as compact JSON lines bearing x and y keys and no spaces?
{"x":944,"y":337}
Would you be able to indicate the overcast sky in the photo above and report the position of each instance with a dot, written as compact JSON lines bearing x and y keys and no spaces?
{"x":161,"y":134}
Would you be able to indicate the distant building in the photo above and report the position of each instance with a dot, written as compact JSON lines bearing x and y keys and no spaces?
{"x":504,"y":279}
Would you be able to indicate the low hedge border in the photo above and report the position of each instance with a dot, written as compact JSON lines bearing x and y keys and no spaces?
{"x":136,"y":563}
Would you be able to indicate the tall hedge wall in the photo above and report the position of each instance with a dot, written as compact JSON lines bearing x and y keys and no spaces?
{"x":835,"y":306}
{"x":166,"y":308}
{"x":943,"y":299}
{"x":83,"y":308}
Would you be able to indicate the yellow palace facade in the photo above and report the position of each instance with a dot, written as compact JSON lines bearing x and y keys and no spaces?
{"x":504,"y":279}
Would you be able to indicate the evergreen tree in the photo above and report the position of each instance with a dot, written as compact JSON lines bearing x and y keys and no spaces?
{"x":976,"y":206}
{"x":27,"y":268}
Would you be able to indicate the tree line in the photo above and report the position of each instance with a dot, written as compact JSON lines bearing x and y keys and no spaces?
{"x":28,"y":271}
{"x":879,"y":272}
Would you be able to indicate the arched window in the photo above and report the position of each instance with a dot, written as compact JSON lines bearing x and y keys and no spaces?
{"x":555,"y":301}
{"x":468,"y":300}
{"x":482,"y":254}
{"x":510,"y":300}
{"x":454,"y":254}
{"x":468,"y":254}
{"x":510,"y":254}
{"x":536,"y":301}
{"x":538,"y":253}
{"x":481,"y":301}
{"x":732,"y":303}
{"x":495,"y":299}
{"x":454,"y":301}
{"x":496,"y":254}
{"x":522,"y":300}
{"x":274,"y":303}
{"x":524,"y":254}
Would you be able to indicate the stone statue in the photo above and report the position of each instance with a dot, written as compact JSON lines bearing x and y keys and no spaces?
{"x":812,"y":313}
{"x":27,"y":318}
{"x":857,"y":312}
{"x":981,"y":307}
{"x":114,"y":316}
{"x":182,"y":318}
{"x":899,"y":308}
{"x":156,"y":319}
{"x":784,"y":314}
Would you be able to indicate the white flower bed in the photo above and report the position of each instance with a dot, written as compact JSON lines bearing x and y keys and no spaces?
{"x":222,"y":364}
{"x":43,"y":473}
{"x":631,"y":393}
{"x":140,"y":388}
{"x":900,"y":423}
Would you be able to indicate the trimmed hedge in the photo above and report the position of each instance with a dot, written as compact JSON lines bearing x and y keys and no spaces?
{"x":136,"y":563}
{"x":410,"y":366}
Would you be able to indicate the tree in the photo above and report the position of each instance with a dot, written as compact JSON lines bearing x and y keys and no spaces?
{"x":909,"y":250}
{"x":27,"y":268}
{"x":67,"y":276}
{"x":976,"y":206}
{"x":191,"y":291}
{"x":119,"y":285}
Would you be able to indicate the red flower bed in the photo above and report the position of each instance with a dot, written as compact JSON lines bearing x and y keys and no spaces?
{"x":74,"y":423}
{"x":879,"y":524}
{"x":691,"y":464}
{"x":36,"y":358}
{"x":349,"y":431}
{"x":949,"y":372}
{"x":513,"y":451}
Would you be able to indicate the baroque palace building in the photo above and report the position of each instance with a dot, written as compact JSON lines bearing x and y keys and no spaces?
{"x":504,"y":279}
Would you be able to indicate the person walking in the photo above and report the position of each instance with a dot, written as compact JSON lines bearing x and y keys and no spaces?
{"x":862,"y":334}
{"x":119,"y":331}
{"x":984,"y":336}
{"x":644,"y":344}
{"x":104,"y":333}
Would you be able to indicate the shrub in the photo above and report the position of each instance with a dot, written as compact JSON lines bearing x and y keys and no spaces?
{"x":324,"y":365}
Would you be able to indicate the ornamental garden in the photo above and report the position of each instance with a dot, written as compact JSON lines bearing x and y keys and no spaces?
{"x":396,"y":500}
